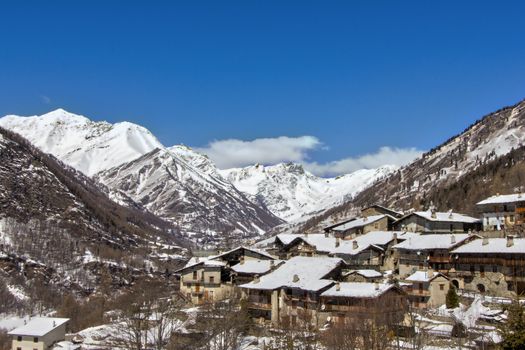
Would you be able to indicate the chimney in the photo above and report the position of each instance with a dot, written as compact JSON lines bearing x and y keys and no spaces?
{"x":484,"y":241}
{"x":430,"y":273}
{"x":450,"y":216}
{"x":54,"y":324}
{"x":432,"y":210}
{"x":452,"y":239}
{"x":272,"y":264}
{"x":256,"y":279}
{"x":510,"y":240}
{"x":337,"y":242}
{"x":241,"y":260}
{"x":394,"y":237}
{"x":197,"y":259}
{"x":354,"y":244}
{"x":376,"y":286}
{"x":326,"y":234}
{"x":365,"y":219}
{"x":295,"y":278}
{"x":337,"y":286}
{"x":497,"y":194}
{"x":306,"y":235}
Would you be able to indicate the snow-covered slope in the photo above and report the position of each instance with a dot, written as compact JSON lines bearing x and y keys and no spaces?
{"x":86,"y":145}
{"x":196,"y":198}
{"x":290,"y":192}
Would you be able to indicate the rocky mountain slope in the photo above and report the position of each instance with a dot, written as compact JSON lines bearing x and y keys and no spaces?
{"x":292,"y":193}
{"x":59,"y":229}
{"x":196,"y":198}
{"x":476,"y":153}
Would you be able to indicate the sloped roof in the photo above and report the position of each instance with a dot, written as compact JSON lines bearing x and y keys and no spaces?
{"x":359,"y":222}
{"x":357,"y":290}
{"x":366,"y":273}
{"x":495,"y":246}
{"x":423,"y":276}
{"x":256,"y":266}
{"x":443,"y":217}
{"x":433,"y":241}
{"x":374,"y":239}
{"x":506,"y":198}
{"x":39,"y":326}
{"x":309,"y":270}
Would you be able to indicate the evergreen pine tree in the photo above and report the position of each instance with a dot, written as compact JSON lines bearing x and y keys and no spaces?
{"x":452,"y":299}
{"x":513,"y":331}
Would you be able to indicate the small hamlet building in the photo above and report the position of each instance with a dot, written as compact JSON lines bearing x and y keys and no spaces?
{"x":39,"y":333}
{"x":437,"y":222}
{"x":502,"y":211}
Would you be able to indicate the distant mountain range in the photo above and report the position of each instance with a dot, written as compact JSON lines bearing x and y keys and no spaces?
{"x":183,"y":186}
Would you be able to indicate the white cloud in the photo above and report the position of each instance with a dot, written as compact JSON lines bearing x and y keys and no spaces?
{"x":233,"y":153}
{"x":384,"y":156}
{"x":45,"y":99}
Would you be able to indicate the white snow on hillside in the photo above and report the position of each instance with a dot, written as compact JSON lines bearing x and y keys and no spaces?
{"x":291,"y":192}
{"x":86,"y":145}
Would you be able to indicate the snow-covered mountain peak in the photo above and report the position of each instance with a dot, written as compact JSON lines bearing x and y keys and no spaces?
{"x":86,"y":145}
{"x":291,"y":192}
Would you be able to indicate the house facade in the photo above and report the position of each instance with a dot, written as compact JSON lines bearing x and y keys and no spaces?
{"x":211,"y":278}
{"x":39,"y":333}
{"x":494,"y":266}
{"x":437,"y":222}
{"x":427,"y":289}
{"x":502,"y":211}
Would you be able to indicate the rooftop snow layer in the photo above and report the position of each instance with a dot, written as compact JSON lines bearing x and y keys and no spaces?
{"x":433,"y":241}
{"x":309,"y":270}
{"x":357,"y":290}
{"x":422,"y":276}
{"x":494,"y":245}
{"x":39,"y":326}
{"x":359,"y":222}
{"x":506,"y":198}
{"x":256,"y":266}
{"x":445,"y":217}
{"x":366,"y":273}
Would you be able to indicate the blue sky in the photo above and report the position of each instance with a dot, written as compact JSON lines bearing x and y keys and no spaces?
{"x":328,"y":80}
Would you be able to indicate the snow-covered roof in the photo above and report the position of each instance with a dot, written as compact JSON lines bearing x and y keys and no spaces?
{"x":366,"y":273}
{"x":321,"y":242}
{"x":309,"y":270}
{"x":359,"y":222}
{"x":423,"y":276}
{"x":39,"y":326}
{"x":433,"y":241}
{"x":373,"y":238}
{"x":505,"y":198}
{"x":444,"y":217}
{"x":494,"y":245}
{"x":256,"y":266}
{"x":357,"y":290}
{"x":253,"y":250}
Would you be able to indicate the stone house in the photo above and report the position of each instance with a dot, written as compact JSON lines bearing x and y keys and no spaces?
{"x":39,"y":333}
{"x":353,"y":302}
{"x":360,"y":226}
{"x":437,"y":222}
{"x":427,"y":289}
{"x":211,"y":278}
{"x":502,"y":211}
{"x":362,"y":276}
{"x":377,"y":209}
{"x":428,"y":251}
{"x":290,"y":294}
{"x":495,"y":266}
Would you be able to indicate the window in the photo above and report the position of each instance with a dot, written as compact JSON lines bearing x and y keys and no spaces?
{"x":441,"y":286}
{"x":19,"y":338}
{"x":494,"y":268}
{"x":18,"y":348}
{"x":212,"y":279}
{"x":194,"y":275}
{"x":35,"y":339}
